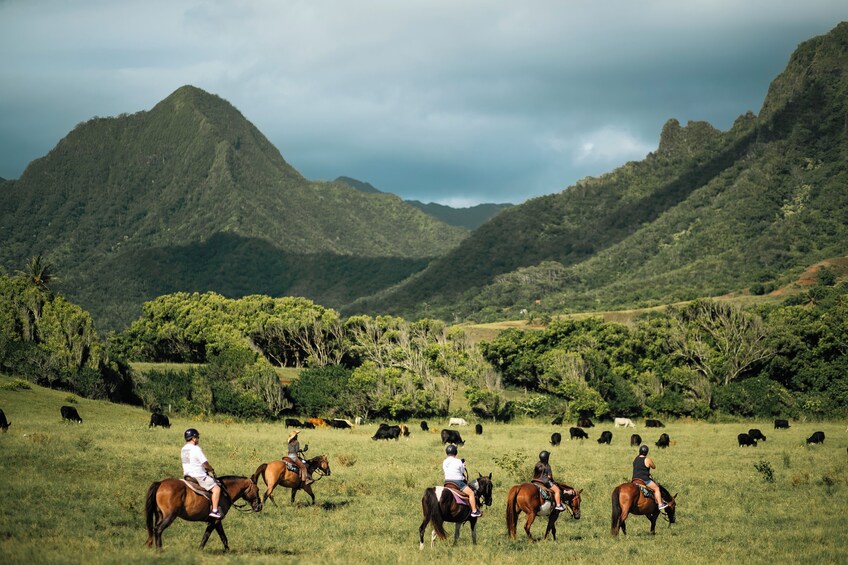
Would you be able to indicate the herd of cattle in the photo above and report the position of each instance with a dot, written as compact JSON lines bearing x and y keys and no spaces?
{"x":754,"y":435}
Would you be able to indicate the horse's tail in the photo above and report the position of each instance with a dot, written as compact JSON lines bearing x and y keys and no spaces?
{"x":259,"y":471}
{"x":616,"y":509}
{"x":150,"y":510}
{"x":434,"y":513}
{"x":512,"y":510}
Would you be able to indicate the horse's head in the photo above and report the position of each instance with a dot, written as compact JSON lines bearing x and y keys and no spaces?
{"x":251,"y":494}
{"x":484,"y":489}
{"x":573,"y":497}
{"x":324,"y":464}
{"x":672,"y":504}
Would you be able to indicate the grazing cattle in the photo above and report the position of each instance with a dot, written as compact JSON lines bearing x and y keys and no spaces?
{"x":664,"y":441}
{"x":318,"y":422}
{"x":606,"y":437}
{"x":781,"y":424}
{"x":478,"y":429}
{"x":756,"y":434}
{"x":339,"y":424}
{"x":457,"y":422}
{"x":635,"y":440}
{"x":4,"y":424}
{"x":404,"y":430}
{"x":389,"y":432}
{"x":293,"y":423}
{"x":624,"y":423}
{"x":745,"y":440}
{"x":557,"y":421}
{"x":817,"y":437}
{"x":159,"y":420}
{"x":585,"y":423}
{"x":70,"y":413}
{"x":307,"y":425}
{"x":654,"y":424}
{"x":452,"y":436}
{"x":556,"y":438}
{"x":424,"y":426}
{"x":577,"y":433}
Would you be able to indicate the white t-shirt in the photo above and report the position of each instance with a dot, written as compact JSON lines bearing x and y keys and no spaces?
{"x":454,"y":468}
{"x":193,"y":460}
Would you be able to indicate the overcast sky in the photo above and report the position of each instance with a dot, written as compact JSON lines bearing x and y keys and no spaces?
{"x":457,"y":102}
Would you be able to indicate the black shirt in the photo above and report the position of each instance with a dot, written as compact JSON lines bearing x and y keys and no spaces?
{"x":640,"y":470}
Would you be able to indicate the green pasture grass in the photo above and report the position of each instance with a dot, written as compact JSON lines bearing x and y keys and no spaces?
{"x":74,"y":493}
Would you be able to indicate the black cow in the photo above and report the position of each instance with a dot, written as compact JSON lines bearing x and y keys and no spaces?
{"x":478,"y":429}
{"x":756,"y":434}
{"x":635,"y":440}
{"x":293,"y":423}
{"x":556,"y":438}
{"x":389,"y":432}
{"x":781,"y":424}
{"x":451,"y":436}
{"x":424,"y":426}
{"x":307,"y":425}
{"x":817,"y":437}
{"x":746,"y":440}
{"x":577,"y":433}
{"x":339,"y":424}
{"x":585,"y":423}
{"x":654,"y":424}
{"x":664,"y":441}
{"x":606,"y":437}
{"x":4,"y":424}
{"x":159,"y":420}
{"x":557,"y":421}
{"x":70,"y":413}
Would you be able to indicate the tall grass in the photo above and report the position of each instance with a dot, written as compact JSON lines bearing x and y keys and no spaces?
{"x":75,"y":493}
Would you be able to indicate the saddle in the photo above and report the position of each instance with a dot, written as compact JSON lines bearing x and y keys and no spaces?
{"x":544,"y":492}
{"x":646,"y":492}
{"x":192,"y":483}
{"x":460,"y":497}
{"x":290,"y":465}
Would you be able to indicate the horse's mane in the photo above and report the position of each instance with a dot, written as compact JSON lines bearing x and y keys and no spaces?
{"x":664,"y":493}
{"x":230,"y":477}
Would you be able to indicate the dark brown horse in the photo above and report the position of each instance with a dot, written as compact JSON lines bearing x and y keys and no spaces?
{"x":444,"y":508}
{"x":275,"y":473}
{"x":628,"y":499}
{"x":170,"y":499}
{"x":527,"y":498}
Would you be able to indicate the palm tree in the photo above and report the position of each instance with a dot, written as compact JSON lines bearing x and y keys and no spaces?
{"x":38,"y":272}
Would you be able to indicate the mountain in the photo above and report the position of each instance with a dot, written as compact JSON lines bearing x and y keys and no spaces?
{"x":190,"y":195}
{"x":706,"y":213}
{"x":469,"y":218}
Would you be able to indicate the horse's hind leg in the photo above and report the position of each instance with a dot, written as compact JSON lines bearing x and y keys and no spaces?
{"x":421,"y":531}
{"x":166,"y":521}
{"x":530,"y":517}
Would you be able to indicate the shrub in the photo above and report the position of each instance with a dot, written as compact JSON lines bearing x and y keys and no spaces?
{"x":765,"y":469}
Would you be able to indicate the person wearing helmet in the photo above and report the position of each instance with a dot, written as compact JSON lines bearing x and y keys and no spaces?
{"x":543,"y":475}
{"x":294,"y":455}
{"x":642,"y":466}
{"x":454,"y":469}
{"x":196,"y":465}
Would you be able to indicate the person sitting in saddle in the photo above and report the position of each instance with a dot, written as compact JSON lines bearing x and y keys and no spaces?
{"x":455,"y":473}
{"x":196,"y":465}
{"x":543,"y":475}
{"x":642,"y":466}
{"x":294,"y":455}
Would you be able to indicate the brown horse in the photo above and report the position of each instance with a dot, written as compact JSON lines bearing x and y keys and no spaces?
{"x":440,"y":509}
{"x":527,"y":498}
{"x":275,"y":473}
{"x":628,"y":499}
{"x":170,"y":499}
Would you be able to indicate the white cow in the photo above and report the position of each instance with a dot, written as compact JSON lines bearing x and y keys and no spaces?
{"x":457,"y":422}
{"x":624,"y":423}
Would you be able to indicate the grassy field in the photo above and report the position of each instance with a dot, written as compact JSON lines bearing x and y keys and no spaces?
{"x":75,"y":493}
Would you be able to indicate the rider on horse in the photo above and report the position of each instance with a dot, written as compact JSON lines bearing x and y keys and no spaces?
{"x":642,"y":466}
{"x":196,"y":465}
{"x":455,"y":473}
{"x":543,"y":475}
{"x":294,"y":455}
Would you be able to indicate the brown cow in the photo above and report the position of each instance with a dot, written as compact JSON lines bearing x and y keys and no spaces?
{"x":318,"y":422}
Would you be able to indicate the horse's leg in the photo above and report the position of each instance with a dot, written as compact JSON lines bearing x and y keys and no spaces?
{"x":530,"y":517}
{"x":653,"y":518}
{"x":209,"y":528}
{"x":456,"y":533}
{"x":473,"y":522}
{"x":308,"y":490}
{"x":166,"y":521}
{"x":219,"y":527}
{"x":552,"y":524}
{"x":423,"y":525}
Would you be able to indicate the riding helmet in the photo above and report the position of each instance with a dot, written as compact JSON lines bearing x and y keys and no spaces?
{"x":190,"y":433}
{"x":543,"y":457}
{"x":450,"y":450}
{"x":643,"y":450}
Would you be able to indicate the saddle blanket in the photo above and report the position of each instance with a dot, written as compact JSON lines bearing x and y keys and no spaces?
{"x":192,"y":484}
{"x":456,"y":496}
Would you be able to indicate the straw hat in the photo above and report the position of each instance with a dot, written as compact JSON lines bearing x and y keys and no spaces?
{"x":293,"y":434}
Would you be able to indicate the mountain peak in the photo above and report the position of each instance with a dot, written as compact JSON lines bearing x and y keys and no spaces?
{"x":677,"y":141}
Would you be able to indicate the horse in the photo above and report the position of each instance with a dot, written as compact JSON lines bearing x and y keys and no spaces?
{"x":627,"y":499}
{"x":527,"y":498}
{"x":445,"y":509}
{"x":169,"y":499}
{"x":275,"y":473}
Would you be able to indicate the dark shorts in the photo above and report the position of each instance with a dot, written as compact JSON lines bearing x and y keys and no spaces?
{"x":460,"y":484}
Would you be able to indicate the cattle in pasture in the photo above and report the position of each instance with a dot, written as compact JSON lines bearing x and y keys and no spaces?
{"x":478,"y":429}
{"x":745,"y":440}
{"x":817,"y":437}
{"x":635,"y":440}
{"x":404,"y":430}
{"x":585,"y":423}
{"x":339,"y":424}
{"x":4,"y":423}
{"x":307,"y":425}
{"x":577,"y":433}
{"x":557,"y":421}
{"x":664,"y":441}
{"x":159,"y":420}
{"x":424,"y":426}
{"x":624,"y":423}
{"x":654,"y":424}
{"x":389,"y":432}
{"x":452,"y":436}
{"x":756,"y":434}
{"x":457,"y":422}
{"x":318,"y":422}
{"x":781,"y":424}
{"x":556,"y":438}
{"x":606,"y":437}
{"x":293,"y":423}
{"x":70,"y":413}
